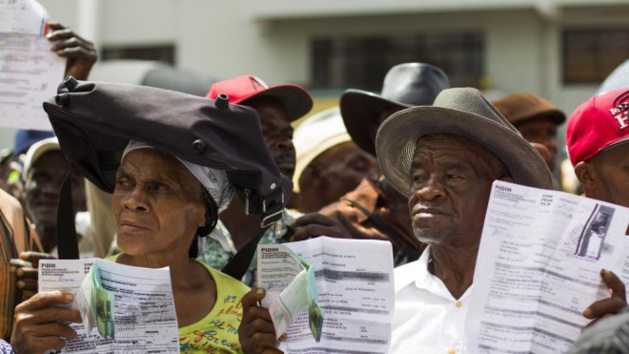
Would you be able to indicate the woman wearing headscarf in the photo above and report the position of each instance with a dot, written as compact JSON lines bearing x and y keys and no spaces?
{"x":182,"y":158}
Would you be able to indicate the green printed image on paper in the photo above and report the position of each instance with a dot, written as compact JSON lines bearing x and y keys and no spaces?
{"x":104,"y":301}
{"x":315,"y":313}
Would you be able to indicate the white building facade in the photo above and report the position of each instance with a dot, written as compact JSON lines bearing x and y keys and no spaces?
{"x":559,"y":49}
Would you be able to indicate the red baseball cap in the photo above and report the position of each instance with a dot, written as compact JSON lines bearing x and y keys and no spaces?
{"x":598,"y":124}
{"x":295,"y":99}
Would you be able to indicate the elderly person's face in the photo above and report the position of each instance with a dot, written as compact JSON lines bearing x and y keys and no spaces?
{"x":340,"y":169}
{"x":42,"y":186}
{"x":451,"y":179}
{"x":158,"y":204}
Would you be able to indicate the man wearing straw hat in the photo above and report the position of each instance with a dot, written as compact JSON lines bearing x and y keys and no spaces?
{"x":374,"y":209}
{"x":444,"y":158}
{"x":329,"y":164}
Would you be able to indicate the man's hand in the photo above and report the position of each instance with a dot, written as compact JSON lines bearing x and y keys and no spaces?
{"x":27,"y":276}
{"x":40,"y":324}
{"x":80,"y":53}
{"x":314,"y":225}
{"x":360,"y":232}
{"x":612,"y":305}
{"x":256,"y":332}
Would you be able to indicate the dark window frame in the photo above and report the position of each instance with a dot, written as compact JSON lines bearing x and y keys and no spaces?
{"x":582,"y":48}
{"x":339,"y":62}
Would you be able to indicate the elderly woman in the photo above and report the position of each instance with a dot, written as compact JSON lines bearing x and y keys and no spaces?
{"x":164,"y":197}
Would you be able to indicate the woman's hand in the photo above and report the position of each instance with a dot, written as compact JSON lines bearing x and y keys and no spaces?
{"x":256,"y":332}
{"x":40,"y":324}
{"x":27,"y":277}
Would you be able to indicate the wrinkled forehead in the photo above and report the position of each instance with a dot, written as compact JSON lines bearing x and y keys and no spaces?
{"x":150,"y":162}
{"x":148,"y":156}
{"x":450,"y":148}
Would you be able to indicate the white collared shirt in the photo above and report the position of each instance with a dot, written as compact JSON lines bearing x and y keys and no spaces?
{"x":427,"y":318}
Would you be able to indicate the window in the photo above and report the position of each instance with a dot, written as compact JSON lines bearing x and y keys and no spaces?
{"x":589,"y":55}
{"x":362,"y":62}
{"x":164,"y":53}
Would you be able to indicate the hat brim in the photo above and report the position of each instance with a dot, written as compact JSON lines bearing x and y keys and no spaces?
{"x":304,"y":159}
{"x":357,"y":108}
{"x":295,"y":99}
{"x":38,"y":150}
{"x":398,"y":135}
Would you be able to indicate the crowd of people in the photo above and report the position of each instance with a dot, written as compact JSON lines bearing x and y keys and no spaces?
{"x":159,"y":178}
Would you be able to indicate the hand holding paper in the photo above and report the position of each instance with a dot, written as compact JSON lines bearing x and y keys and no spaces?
{"x":30,"y":71}
{"x":284,"y":300}
{"x":142,"y":317}
{"x":541,"y":256}
{"x":33,"y":318}
{"x":351,"y":280}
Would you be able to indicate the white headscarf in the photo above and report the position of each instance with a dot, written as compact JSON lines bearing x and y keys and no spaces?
{"x":215,"y":181}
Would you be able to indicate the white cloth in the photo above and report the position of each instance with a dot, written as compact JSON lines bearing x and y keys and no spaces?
{"x":215,"y":181}
{"x":427,"y":318}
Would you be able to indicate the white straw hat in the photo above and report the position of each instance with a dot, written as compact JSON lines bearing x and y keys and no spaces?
{"x":316,"y":135}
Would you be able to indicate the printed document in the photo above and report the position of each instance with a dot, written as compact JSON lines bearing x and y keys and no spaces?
{"x":538,"y":268}
{"x":354,"y":281}
{"x":29,"y":70}
{"x":125,"y":309}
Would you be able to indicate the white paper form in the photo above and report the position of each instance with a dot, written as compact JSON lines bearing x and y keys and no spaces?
{"x":355,"y":285}
{"x":144,"y":311}
{"x":29,"y":70}
{"x":538,"y":268}
{"x":285,"y":279}
{"x":22,"y":17}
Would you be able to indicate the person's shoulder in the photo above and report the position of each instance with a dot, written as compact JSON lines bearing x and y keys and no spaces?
{"x":226,"y":282}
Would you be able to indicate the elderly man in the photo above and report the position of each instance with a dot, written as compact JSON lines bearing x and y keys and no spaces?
{"x":329,"y":163}
{"x":375,"y":209}
{"x":45,"y":168}
{"x":445,"y":159}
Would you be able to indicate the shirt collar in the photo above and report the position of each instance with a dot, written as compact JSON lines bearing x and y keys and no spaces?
{"x":423,"y":279}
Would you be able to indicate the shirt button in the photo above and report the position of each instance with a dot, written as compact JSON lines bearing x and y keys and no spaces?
{"x":457,"y":304}
{"x":451,"y":351}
